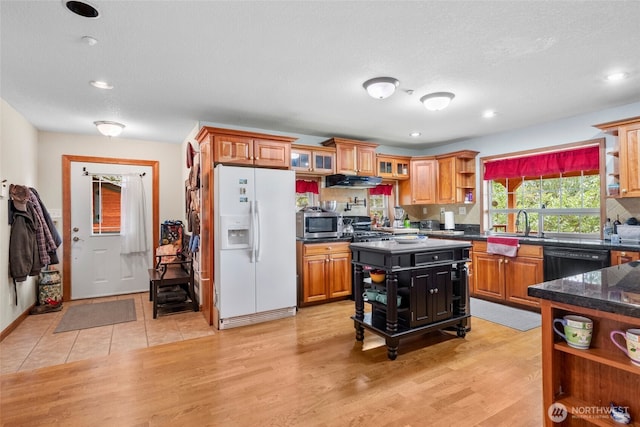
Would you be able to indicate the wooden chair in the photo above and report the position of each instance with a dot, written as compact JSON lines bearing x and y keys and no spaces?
{"x":171,"y":283}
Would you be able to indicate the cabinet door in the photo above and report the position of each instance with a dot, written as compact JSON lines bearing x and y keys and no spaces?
{"x":340,"y":275}
{"x":315,"y":277}
{"x":446,"y":180}
{"x":622,"y":257}
{"x":234,"y":150}
{"x":385,"y":167}
{"x":488,"y":275}
{"x":301,"y":160}
{"x":423,"y":178}
{"x":520,"y":273}
{"x":323,"y":163}
{"x":630,"y":160}
{"x":269,"y":153}
{"x":346,"y":159}
{"x":431,"y":295}
{"x":366,"y":161}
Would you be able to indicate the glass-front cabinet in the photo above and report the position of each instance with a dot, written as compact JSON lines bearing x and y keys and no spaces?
{"x":393,"y":167}
{"x":313,"y":160}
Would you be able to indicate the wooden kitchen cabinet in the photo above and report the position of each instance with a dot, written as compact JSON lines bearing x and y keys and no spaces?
{"x":456,"y":177}
{"x":505,"y":278}
{"x":393,"y":167}
{"x":313,"y":160}
{"x":236,"y":147}
{"x":421,"y":188}
{"x":622,"y":257}
{"x":431,"y":295}
{"x":626,"y":155}
{"x":324,"y":271}
{"x":354,"y":157}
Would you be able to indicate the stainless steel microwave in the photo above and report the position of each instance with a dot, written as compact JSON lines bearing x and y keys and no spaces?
{"x":317,"y":224}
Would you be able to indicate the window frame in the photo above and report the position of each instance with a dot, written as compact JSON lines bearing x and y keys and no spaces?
{"x":511,"y":211}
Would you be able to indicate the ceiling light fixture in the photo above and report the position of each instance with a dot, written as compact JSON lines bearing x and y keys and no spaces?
{"x":415,"y":134}
{"x":109,"y":128}
{"x":91,"y":41}
{"x":381,"y":87}
{"x":489,"y":114}
{"x":437,"y":101}
{"x":617,"y":76}
{"x":100,"y":84}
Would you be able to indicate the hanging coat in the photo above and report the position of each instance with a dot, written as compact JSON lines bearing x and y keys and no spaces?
{"x":24,"y":259}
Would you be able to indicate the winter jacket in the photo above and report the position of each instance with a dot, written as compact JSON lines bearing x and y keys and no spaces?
{"x":24,"y":259}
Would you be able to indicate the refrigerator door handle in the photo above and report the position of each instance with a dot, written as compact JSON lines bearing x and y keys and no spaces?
{"x":258,"y":241}
{"x":252,"y":232}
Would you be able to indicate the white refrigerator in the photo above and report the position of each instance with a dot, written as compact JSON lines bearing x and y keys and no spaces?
{"x":254,"y":245}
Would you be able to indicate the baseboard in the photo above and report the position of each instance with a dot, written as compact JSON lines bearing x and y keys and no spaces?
{"x":13,"y":325}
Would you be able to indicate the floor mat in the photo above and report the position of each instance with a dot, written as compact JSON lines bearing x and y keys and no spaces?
{"x":98,"y":314}
{"x":514,"y":318}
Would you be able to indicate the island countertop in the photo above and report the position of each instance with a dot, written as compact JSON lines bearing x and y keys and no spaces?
{"x":396,"y":246}
{"x":613,"y":289}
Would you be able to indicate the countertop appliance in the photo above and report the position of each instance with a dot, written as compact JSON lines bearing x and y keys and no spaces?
{"x":562,"y":262}
{"x":351,"y":181}
{"x":314,"y":223}
{"x":398,"y":217}
{"x":254,"y":245}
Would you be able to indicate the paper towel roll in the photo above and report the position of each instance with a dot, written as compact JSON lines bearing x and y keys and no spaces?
{"x":449,"y":221}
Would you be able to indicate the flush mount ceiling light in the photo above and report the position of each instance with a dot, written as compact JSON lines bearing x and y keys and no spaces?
{"x":617,"y":76}
{"x":100,"y":84}
{"x":489,"y":114}
{"x":437,"y":101}
{"x":109,"y":128}
{"x":381,"y":87}
{"x":415,"y":134}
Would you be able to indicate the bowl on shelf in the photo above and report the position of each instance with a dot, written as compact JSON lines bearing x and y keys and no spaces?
{"x":329,"y":205}
{"x":377,"y":276}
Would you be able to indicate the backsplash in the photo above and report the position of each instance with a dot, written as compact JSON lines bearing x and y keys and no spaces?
{"x":625,"y":208}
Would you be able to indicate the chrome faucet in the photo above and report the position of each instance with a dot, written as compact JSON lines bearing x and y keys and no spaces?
{"x":527,"y":228}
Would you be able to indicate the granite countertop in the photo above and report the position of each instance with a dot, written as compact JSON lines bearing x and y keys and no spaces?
{"x":396,"y":247}
{"x":613,"y":289}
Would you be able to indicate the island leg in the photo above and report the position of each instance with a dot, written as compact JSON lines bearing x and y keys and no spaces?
{"x":359,"y":331}
{"x":392,"y":348}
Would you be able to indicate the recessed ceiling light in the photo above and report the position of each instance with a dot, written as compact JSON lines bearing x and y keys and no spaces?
{"x":489,"y":114}
{"x":415,"y":134}
{"x":614,"y":77}
{"x":82,"y":9}
{"x":100,"y":84}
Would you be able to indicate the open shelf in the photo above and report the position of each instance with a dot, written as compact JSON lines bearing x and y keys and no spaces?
{"x":597,"y":355}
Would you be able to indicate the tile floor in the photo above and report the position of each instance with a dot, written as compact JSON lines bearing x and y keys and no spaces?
{"x":33,"y":344}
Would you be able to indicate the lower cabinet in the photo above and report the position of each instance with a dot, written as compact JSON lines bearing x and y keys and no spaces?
{"x":622,"y":257}
{"x":431,"y":295}
{"x":324,"y":271}
{"x":504,"y":278}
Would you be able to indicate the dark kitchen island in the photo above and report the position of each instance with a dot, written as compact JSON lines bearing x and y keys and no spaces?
{"x":429,"y":275}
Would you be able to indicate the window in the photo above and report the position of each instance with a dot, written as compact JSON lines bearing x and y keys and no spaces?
{"x":106,"y":204}
{"x":378,"y":206}
{"x":305,"y":193}
{"x":563,"y":199}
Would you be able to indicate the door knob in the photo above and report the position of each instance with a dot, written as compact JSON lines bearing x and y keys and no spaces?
{"x":76,"y":238}
{"x":76,"y":229}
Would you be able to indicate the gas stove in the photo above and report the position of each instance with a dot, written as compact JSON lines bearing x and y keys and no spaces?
{"x":371,"y":236}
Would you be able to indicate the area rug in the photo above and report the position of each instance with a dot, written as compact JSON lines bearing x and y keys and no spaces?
{"x":514,"y":318}
{"x":86,"y":316}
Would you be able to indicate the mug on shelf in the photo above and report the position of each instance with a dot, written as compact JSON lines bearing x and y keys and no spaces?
{"x":577,"y":330}
{"x":632,"y":337}
{"x":370,"y":295}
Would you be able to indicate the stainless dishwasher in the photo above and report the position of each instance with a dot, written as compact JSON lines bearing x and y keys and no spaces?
{"x":563,"y":262}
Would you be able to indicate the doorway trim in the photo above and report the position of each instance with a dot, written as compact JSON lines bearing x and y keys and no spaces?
{"x":66,"y":207}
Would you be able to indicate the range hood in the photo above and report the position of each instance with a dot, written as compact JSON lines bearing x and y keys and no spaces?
{"x":351,"y":181}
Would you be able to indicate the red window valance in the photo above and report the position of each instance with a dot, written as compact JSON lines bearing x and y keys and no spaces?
{"x":582,"y":159}
{"x":381,"y":190}
{"x":303,"y":186}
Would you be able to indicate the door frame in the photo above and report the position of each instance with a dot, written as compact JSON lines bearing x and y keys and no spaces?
{"x":66,"y":207}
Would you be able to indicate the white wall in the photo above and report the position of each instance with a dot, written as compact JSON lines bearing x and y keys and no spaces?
{"x":18,"y":165}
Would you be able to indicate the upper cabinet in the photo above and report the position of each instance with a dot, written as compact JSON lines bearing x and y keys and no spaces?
{"x":237,"y":147}
{"x":421,"y":188}
{"x":354,"y":157}
{"x":393,"y":167}
{"x":626,"y":155}
{"x":313,"y":160}
{"x":456,"y":177}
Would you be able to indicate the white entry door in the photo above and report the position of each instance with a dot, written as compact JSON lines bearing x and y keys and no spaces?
{"x":97,"y":267}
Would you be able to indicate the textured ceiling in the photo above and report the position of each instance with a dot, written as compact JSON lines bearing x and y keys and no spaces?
{"x":299,"y":66}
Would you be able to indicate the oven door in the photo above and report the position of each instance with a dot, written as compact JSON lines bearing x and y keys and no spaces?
{"x":562,"y":262}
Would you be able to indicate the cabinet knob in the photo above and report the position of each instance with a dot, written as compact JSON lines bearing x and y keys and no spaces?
{"x":623,"y":254}
{"x":506,"y":261}
{"x":624,"y":190}
{"x":431,"y":291}
{"x":435,"y":290}
{"x":436,"y":257}
{"x":257,"y":158}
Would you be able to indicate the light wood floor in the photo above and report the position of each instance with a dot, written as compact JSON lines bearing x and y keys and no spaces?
{"x":302,"y":371}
